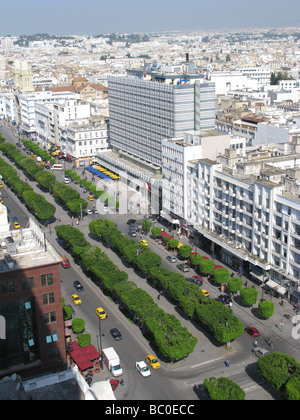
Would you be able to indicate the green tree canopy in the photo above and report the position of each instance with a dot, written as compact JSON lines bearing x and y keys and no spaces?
{"x":223,"y":389}
{"x":249,"y":296}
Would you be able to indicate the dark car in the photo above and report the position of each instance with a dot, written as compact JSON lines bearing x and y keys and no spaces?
{"x":131,"y":222}
{"x":224,"y":299}
{"x":183,"y":267}
{"x":197,"y":279}
{"x":116,"y":334}
{"x":252,"y":331}
{"x":78,"y":286}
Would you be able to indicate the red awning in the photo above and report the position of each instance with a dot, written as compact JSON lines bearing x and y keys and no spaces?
{"x":163,"y":234}
{"x":83,"y":356}
{"x":218,"y":266}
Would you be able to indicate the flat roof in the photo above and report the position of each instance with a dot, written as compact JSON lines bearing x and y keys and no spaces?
{"x":26,"y":248}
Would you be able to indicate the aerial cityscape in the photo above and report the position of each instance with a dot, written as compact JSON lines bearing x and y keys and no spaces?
{"x":150,"y":204}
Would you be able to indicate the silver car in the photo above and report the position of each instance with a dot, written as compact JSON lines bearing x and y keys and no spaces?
{"x":260,"y":351}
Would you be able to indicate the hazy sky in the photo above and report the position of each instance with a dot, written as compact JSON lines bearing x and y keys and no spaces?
{"x":68,"y":17}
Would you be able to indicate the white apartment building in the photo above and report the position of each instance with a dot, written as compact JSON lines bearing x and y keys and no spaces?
{"x":247,"y":210}
{"x":259,"y":74}
{"x":50,"y":116}
{"x":82,"y":142}
{"x":178,"y":153}
{"x":226,"y":81}
{"x":25,"y":107}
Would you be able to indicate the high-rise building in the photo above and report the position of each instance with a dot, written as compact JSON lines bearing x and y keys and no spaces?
{"x":146,"y":107}
{"x":32,"y":339}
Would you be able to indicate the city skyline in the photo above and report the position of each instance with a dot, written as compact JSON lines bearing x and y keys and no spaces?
{"x":99,"y":17}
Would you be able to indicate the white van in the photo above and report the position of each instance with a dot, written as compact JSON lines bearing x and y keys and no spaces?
{"x":57,"y":166}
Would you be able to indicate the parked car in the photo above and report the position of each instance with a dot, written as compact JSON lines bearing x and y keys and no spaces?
{"x":197,"y":279}
{"x":252,"y":331}
{"x":132,"y":232}
{"x":78,"y":286}
{"x":131,"y":222}
{"x":183,"y":267}
{"x":116,"y":334}
{"x":142,"y":368}
{"x":171,"y":258}
{"x":88,"y":211}
{"x":66,"y":180}
{"x":224,"y":299}
{"x":143,"y":242}
{"x":205,"y":292}
{"x":131,"y":227}
{"x":91,"y":198}
{"x":259,"y":351}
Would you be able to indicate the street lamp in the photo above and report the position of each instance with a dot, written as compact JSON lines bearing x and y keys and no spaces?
{"x":100,"y":336}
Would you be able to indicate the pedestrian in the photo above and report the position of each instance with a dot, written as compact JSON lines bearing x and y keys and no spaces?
{"x":255,"y":343}
{"x":230,"y":305}
{"x":158,"y":297}
{"x":77,"y":222}
{"x":227,"y":363}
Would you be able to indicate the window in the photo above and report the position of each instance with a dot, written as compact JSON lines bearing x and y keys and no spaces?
{"x":51,"y":337}
{"x":47,"y":279}
{"x":27,"y":283}
{"x":50,"y":317}
{"x":8,"y":287}
{"x":48,"y":298}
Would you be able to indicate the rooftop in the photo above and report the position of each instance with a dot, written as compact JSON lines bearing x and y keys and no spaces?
{"x":24,"y":248}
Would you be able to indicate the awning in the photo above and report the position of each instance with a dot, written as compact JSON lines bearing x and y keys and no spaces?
{"x":169,"y":218}
{"x":82,"y":356}
{"x":275,"y":286}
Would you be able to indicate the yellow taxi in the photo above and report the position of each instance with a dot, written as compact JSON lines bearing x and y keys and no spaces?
{"x":153,"y":362}
{"x":1,"y":200}
{"x":76,"y":299}
{"x":101,"y":313}
{"x":16,"y":225}
{"x":91,"y":198}
{"x":143,"y":242}
{"x":1,"y":185}
{"x":205,"y":292}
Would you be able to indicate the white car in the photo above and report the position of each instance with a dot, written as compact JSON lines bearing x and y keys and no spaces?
{"x":88,"y":211}
{"x":66,"y":180}
{"x":105,"y":208}
{"x":142,"y":368}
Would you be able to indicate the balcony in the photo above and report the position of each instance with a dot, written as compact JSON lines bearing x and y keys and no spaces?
{"x":235,"y":247}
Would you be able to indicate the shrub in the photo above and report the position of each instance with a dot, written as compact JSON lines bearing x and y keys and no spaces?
{"x":223,"y":389}
{"x":234,"y":284}
{"x":185,"y":251}
{"x":266,"y":309}
{"x":249,"y":296}
{"x":279,"y":369}
{"x":78,"y":325}
{"x":206,"y":267}
{"x":84,"y":340}
{"x":221,"y":275}
{"x":67,"y":313}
